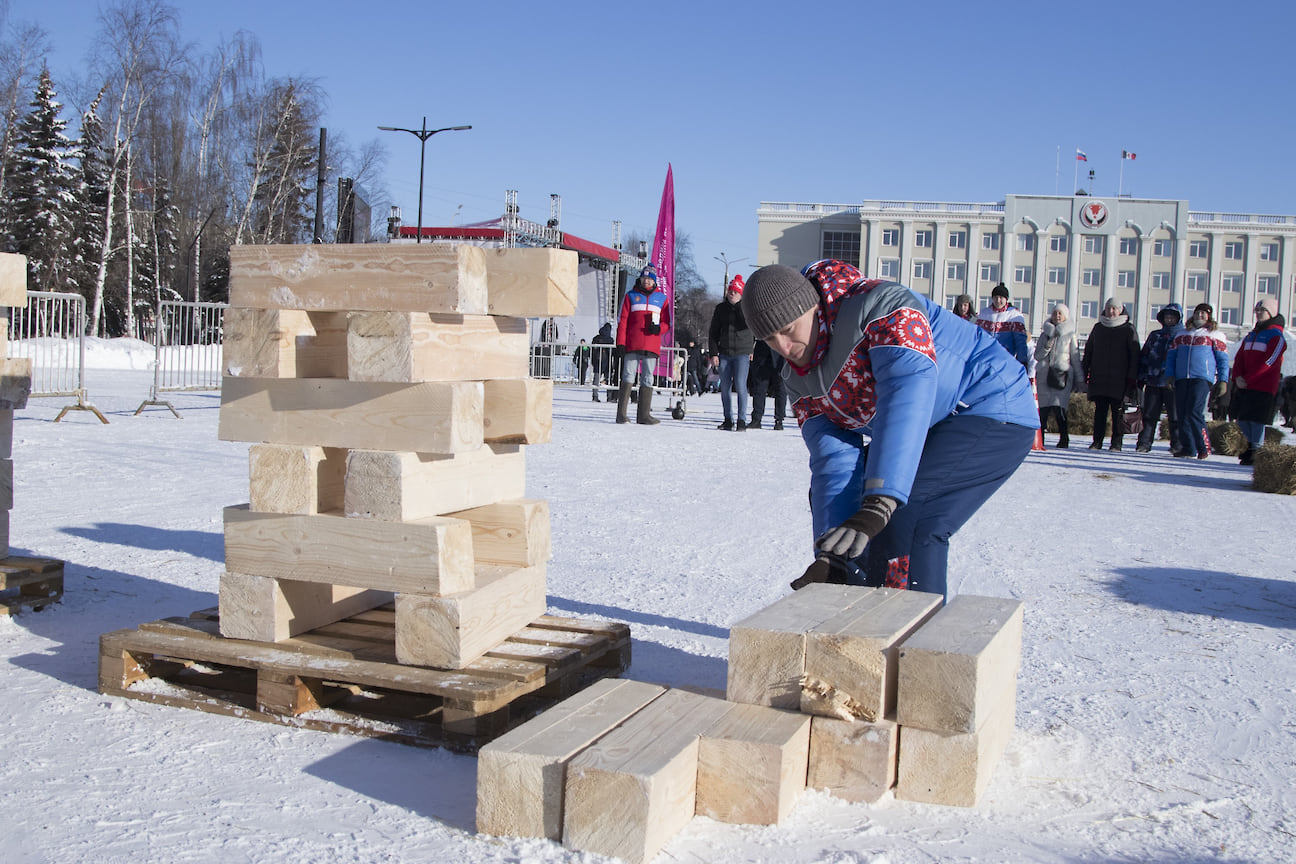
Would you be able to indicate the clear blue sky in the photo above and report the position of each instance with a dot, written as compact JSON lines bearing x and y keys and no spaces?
{"x":830,"y":101}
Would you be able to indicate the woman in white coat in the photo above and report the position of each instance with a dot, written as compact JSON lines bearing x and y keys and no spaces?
{"x":1057,"y":357}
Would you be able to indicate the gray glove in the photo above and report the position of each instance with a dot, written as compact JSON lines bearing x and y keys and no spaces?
{"x":849,"y":538}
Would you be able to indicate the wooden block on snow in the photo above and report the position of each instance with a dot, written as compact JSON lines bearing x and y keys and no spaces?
{"x":752,"y":765}
{"x":767,"y":650}
{"x":284,"y":343}
{"x":531,"y":283}
{"x":453,"y":630}
{"x":954,"y":768}
{"x":418,"y":346}
{"x":13,"y":279}
{"x":427,"y":417}
{"x":424,"y":277}
{"x":283,"y":478}
{"x":400,"y":487}
{"x":6,"y":433}
{"x":856,"y":653}
{"x":6,"y":484}
{"x":635,"y":789}
{"x":960,"y":665}
{"x":15,"y":382}
{"x":520,"y":775}
{"x":428,"y":556}
{"x":4,"y":533}
{"x":264,"y":609}
{"x":518,"y":411}
{"x":4,"y":331}
{"x":853,"y":760}
{"x":511,"y":532}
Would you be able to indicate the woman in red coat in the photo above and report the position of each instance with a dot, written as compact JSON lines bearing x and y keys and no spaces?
{"x":1257,"y":372}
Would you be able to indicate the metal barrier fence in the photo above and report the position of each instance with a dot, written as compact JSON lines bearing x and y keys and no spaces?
{"x":572,"y":364}
{"x":186,"y":341}
{"x":50,"y":330}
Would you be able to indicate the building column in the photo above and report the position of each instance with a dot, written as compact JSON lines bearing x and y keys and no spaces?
{"x":1179,"y":272}
{"x":1249,"y":294}
{"x":1285,"y":274}
{"x":940,"y":239}
{"x":973,"y":279}
{"x":1074,"y":242}
{"x":1039,"y":280}
{"x":1111,"y":243}
{"x":905,"y":276}
{"x":1143,"y":284}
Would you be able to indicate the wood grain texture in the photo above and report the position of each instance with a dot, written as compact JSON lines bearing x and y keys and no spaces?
{"x":13,"y":279}
{"x":515,"y":532}
{"x":531,"y":283}
{"x":752,"y":765}
{"x":428,"y":556}
{"x":400,"y":487}
{"x":425,"y":277}
{"x":419,"y":346}
{"x":15,"y":382}
{"x":954,"y":768}
{"x":264,"y":609}
{"x":284,"y":343}
{"x":424,"y":417}
{"x":287,"y":478}
{"x":518,"y":411}
{"x":853,"y":760}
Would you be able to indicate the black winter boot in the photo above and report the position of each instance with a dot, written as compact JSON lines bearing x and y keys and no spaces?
{"x":596,"y":399}
{"x":623,"y":402}
{"x":645,"y":406}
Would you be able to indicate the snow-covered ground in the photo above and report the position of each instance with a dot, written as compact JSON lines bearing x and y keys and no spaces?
{"x":1155,"y":719}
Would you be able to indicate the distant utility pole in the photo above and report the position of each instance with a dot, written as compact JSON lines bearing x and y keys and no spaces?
{"x":319,"y":189}
{"x":422,"y":134}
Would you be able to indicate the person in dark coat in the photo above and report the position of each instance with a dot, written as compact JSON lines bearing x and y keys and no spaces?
{"x":733,"y":342}
{"x":693,"y":370}
{"x":1257,"y":375}
{"x":1158,"y":386}
{"x":601,"y":354}
{"x":964,"y":308}
{"x":765,"y":380}
{"x":1110,"y":363}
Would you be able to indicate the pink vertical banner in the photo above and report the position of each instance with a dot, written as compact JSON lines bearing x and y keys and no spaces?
{"x":663,"y":260}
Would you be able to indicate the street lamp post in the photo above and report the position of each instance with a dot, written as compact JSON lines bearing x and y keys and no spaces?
{"x":722,"y":259}
{"x":422,"y":134}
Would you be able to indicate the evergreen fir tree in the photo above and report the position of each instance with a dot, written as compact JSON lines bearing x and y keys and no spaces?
{"x":42,"y":194}
{"x":283,"y":196}
{"x":91,"y":204}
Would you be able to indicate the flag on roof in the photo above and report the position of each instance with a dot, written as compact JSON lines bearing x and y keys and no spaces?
{"x":1125,"y":154}
{"x":1081,"y":156}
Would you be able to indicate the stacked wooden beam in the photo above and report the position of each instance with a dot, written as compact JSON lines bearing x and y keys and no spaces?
{"x":834,"y":687}
{"x":385,"y":393}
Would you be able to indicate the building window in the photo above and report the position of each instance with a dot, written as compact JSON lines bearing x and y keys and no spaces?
{"x":1198,"y":248}
{"x":889,"y":268}
{"x":1091,"y":277}
{"x":1128,"y":246}
{"x":1025,"y":242}
{"x":1268,"y":251}
{"x":1088,"y":308}
{"x":955,"y":270}
{"x":958,"y":240}
{"x":1093,"y":244}
{"x":1023,"y":305}
{"x":990,"y":271}
{"x":890,"y":236}
{"x":1228,"y":316}
{"x":1125,"y":278}
{"x":1233,"y":250}
{"x":922,"y":269}
{"x":1161,"y":248}
{"x":842,"y":245}
{"x":1161,"y":280}
{"x":1057,"y":275}
{"x":923,"y":239}
{"x":990,"y":241}
{"x":1022,"y":274}
{"x":1196,"y":282}
{"x":1231,"y":283}
{"x":1058,"y":243}
{"x":1267,"y":284}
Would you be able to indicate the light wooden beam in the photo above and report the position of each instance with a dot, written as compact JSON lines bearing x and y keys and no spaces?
{"x":284,"y":343}
{"x":286,"y":478}
{"x":513,"y":532}
{"x":518,"y":412}
{"x":417,"y":346}
{"x":752,"y":765}
{"x":264,"y":609}
{"x":13,"y":279}
{"x":531,"y":283}
{"x":399,"y":487}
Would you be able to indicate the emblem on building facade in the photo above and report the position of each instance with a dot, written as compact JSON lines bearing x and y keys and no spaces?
{"x":1094,"y":214}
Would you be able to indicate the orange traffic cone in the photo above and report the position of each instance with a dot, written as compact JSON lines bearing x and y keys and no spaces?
{"x":1039,"y":433}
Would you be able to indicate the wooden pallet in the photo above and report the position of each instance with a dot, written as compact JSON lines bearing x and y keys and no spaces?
{"x":344,"y":677}
{"x":34,"y":582}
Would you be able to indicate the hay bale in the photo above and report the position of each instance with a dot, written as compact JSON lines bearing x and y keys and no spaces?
{"x":1272,"y":436}
{"x":1080,"y":415}
{"x":1225,"y":437}
{"x":1275,"y":469}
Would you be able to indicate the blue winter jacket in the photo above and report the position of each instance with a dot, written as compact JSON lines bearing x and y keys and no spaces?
{"x":889,"y":365}
{"x":1152,"y":360}
{"x":1198,"y":353}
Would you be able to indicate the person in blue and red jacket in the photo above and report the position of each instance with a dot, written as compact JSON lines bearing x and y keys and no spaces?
{"x":644,"y":314}
{"x":948,"y":414}
{"x":1197,"y":361}
{"x":1257,"y":373}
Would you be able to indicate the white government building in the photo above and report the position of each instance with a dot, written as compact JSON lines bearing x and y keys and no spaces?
{"x":1076,"y":249}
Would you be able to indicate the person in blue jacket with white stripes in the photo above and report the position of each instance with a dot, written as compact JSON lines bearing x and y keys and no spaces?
{"x":947,"y":413}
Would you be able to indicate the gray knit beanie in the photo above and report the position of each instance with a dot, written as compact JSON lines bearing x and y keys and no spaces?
{"x":776,"y":296}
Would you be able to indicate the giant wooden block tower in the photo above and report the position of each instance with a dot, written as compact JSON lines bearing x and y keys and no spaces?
{"x":385,"y":392}
{"x":24,"y":581}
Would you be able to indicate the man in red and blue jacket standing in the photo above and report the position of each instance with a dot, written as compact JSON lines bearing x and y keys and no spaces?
{"x":644,"y":313}
{"x":948,"y":414}
{"x":1257,"y":374}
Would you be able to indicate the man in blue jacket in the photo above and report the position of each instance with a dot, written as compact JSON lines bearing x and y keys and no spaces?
{"x":948,"y":413}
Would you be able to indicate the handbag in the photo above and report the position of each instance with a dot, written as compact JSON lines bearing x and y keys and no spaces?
{"x":1130,"y":421}
{"x":1057,"y":378}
